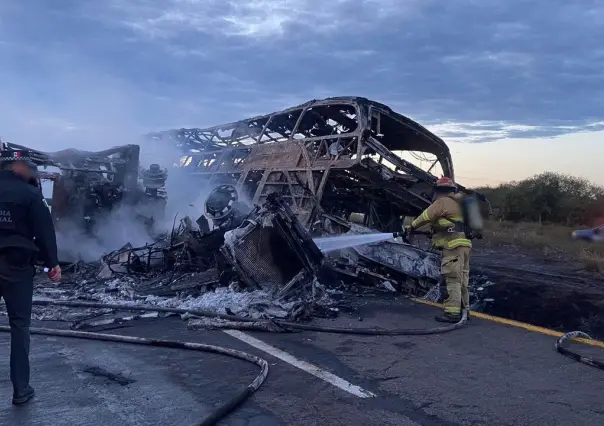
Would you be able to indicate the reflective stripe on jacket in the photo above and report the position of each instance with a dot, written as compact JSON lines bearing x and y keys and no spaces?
{"x":445,"y":217}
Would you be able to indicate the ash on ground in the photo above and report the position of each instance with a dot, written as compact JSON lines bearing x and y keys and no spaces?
{"x":258,"y":263}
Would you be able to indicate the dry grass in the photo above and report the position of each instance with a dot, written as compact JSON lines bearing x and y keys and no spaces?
{"x":551,"y":240}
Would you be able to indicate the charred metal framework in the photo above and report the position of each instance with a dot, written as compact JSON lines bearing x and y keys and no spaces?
{"x":92,"y":182}
{"x":118,"y":164}
{"x":333,"y":156}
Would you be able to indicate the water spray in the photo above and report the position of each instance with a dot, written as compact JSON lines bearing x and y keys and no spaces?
{"x":328,"y":244}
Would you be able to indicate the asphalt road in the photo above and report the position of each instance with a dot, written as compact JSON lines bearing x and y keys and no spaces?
{"x":484,"y":374}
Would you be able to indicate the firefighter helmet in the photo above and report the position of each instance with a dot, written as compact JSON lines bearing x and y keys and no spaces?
{"x":445,"y":182}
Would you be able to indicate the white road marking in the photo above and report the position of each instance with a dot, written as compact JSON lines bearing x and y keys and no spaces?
{"x":302,"y":365}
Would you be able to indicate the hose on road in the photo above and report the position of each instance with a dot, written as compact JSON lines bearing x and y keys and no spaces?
{"x":262,"y":325}
{"x":573,"y":355}
{"x":216,"y":415}
{"x":222,"y":411}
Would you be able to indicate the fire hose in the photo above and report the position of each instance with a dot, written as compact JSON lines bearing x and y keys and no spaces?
{"x":222,"y":411}
{"x":573,"y":355}
{"x":248,"y":323}
{"x":595,"y":235}
{"x":225,"y":409}
{"x":216,"y":415}
{"x":286,"y":326}
{"x":232,"y":404}
{"x":262,"y":325}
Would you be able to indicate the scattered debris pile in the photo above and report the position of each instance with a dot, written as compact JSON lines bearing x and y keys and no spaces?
{"x":272,"y":251}
{"x":264,"y":248}
{"x":261,"y":264}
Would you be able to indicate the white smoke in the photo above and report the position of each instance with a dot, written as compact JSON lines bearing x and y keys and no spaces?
{"x":186,"y":196}
{"x":98,"y":112}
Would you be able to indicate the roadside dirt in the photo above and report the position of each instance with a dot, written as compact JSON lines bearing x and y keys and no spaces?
{"x":549,"y":291}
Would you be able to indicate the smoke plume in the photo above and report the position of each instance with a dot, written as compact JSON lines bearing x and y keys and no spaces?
{"x":97,"y":112}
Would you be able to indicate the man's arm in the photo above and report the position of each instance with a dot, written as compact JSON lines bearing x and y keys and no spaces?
{"x":44,"y":231}
{"x":434,"y":211}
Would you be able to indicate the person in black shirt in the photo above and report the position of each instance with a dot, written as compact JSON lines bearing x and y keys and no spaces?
{"x":26,"y":233}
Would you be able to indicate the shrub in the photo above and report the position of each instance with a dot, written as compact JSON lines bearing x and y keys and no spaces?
{"x":552,"y":198}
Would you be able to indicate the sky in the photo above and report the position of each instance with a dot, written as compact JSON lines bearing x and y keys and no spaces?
{"x":514,"y":87}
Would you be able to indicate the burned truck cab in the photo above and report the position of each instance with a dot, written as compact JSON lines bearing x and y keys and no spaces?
{"x":90,"y":185}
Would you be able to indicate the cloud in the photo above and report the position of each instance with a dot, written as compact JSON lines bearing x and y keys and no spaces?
{"x":492,"y":131}
{"x":248,"y":18}
{"x":470,"y":70}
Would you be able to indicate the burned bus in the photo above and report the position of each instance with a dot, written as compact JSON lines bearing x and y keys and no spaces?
{"x":338,"y":156}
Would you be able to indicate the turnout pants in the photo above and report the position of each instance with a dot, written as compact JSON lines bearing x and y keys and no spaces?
{"x":455,"y":269}
{"x":16,"y":288}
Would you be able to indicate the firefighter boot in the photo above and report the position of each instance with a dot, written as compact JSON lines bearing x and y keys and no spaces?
{"x":449,"y":318}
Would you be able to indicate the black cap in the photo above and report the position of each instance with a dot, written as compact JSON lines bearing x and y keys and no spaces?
{"x":10,"y":155}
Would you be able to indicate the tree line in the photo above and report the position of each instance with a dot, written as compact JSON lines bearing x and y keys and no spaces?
{"x":548,"y":198}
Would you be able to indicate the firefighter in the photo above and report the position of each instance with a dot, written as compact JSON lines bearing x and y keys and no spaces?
{"x":446,"y":219}
{"x":26,"y":234}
